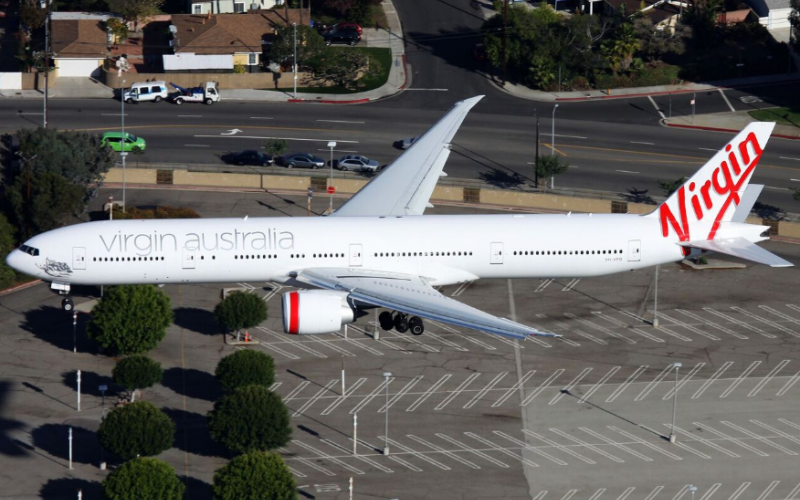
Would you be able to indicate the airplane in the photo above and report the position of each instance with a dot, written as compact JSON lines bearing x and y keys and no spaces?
{"x":379,"y":251}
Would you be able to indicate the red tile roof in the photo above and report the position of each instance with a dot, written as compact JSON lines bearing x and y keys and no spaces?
{"x":77,"y":39}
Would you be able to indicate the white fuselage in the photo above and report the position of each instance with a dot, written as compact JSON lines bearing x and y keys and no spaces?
{"x":445,"y":249}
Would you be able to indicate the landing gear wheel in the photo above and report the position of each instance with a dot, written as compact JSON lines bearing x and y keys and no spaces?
{"x":386,"y":321}
{"x":67,"y":304}
{"x":416,"y":326}
{"x":401,"y":323}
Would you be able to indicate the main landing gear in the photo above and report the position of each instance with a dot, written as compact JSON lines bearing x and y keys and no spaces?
{"x":401,"y":322}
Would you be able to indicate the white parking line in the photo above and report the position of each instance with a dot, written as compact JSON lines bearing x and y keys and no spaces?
{"x":681,"y":492}
{"x":766,"y":321}
{"x":528,"y":447}
{"x":307,"y":462}
{"x":711,"y":491}
{"x":530,"y":397}
{"x":692,"y":450}
{"x":316,"y":396}
{"x":645,"y":443}
{"x":425,"y":395}
{"x":571,"y":285}
{"x":780,"y":315}
{"x":569,"y":495}
{"x":331,"y":344}
{"x":780,"y":433}
{"x":469,"y":338}
{"x":652,"y":385}
{"x":626,"y":493}
{"x":731,"y":439}
{"x":793,"y":494}
{"x":733,"y":110}
{"x":747,"y":326}
{"x":738,"y":492}
{"x":410,"y":338}
{"x":361,"y":457}
{"x":567,"y":136}
{"x":569,"y":386}
{"x":472,"y":450}
{"x":769,"y":489}
{"x":364,"y":402}
{"x":707,"y":442}
{"x":683,"y":382}
{"x":615,"y":444}
{"x":458,"y":390}
{"x":274,"y":387}
{"x":654,"y":493}
{"x":633,"y":376}
{"x":292,"y":341}
{"x":421,"y":456}
{"x":541,"y":495}
{"x":563,"y":448}
{"x":603,"y":329}
{"x":687,"y":326}
{"x":402,"y":392}
{"x":544,"y":284}
{"x":712,"y":325}
{"x":360,"y":343}
{"x":762,"y":439}
{"x":597,"y":494}
{"x":382,"y":341}
{"x":769,"y":377}
{"x":501,"y":450}
{"x":278,"y":350}
{"x":740,"y":379}
{"x":296,"y":390}
{"x":441,"y":450}
{"x":599,"y":383}
{"x":326,"y":456}
{"x":486,"y":389}
{"x":513,"y":389}
{"x":789,"y":384}
{"x":709,"y":149}
{"x":349,"y":392}
{"x":711,"y":380}
{"x":446,"y":342}
{"x":589,"y":446}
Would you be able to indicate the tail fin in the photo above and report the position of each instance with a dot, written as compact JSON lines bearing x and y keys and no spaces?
{"x":710,"y":197}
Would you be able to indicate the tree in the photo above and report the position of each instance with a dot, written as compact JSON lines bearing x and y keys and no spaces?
{"x":258,"y":475}
{"x":620,"y":49}
{"x":549,"y":166}
{"x":7,"y":244}
{"x":136,"y":429}
{"x":143,"y":478}
{"x":245,"y":368}
{"x":310,"y":44}
{"x":240,"y":310}
{"x":794,"y":21}
{"x":346,"y":68}
{"x":251,"y":418}
{"x":137,"y":10}
{"x":342,"y":7}
{"x":130,"y":319}
{"x":655,"y":44}
{"x":670,"y":187}
{"x":137,"y":372}
{"x":31,"y":15}
{"x":702,"y":17}
{"x":118,"y":28}
{"x":52,"y":199}
{"x":275,"y":147}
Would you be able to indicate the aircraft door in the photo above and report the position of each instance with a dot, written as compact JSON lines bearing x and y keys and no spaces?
{"x":189,"y":259}
{"x":356,"y":256}
{"x":78,"y":258}
{"x":496,"y":253}
{"x":634,"y":250}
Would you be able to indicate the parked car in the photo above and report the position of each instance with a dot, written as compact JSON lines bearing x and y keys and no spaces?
{"x":350,"y":37}
{"x":301,"y":160}
{"x":480,"y":52}
{"x":348,"y":26}
{"x":206,"y":93}
{"x":405,"y":143}
{"x":248,"y":157}
{"x":115,"y":140}
{"x":357,"y":163}
{"x":146,"y":91}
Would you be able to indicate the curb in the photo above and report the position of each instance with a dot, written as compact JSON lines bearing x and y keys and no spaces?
{"x":726,"y":130}
{"x":19,"y":287}
{"x":328,"y":101}
{"x":641,"y":94}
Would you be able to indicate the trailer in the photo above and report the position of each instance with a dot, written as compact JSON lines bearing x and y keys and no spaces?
{"x":207,"y":93}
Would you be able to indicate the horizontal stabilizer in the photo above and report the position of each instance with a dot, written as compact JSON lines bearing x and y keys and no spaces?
{"x":741,"y":248}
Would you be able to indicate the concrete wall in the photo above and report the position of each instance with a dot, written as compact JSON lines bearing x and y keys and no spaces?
{"x":132,"y":175}
{"x":226,"y":80}
{"x":10,"y":81}
{"x":185,"y":178}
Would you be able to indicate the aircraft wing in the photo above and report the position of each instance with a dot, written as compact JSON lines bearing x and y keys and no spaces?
{"x":412,"y":295}
{"x":405,"y":186}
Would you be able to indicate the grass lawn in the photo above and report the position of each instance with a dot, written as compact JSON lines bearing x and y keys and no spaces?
{"x":781,"y":116}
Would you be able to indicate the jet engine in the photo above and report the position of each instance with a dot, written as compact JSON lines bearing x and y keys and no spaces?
{"x":309,"y":312}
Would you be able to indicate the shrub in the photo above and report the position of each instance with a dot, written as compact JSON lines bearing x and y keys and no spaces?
{"x":245,"y":368}
{"x":165,"y":212}
{"x":130,"y":319}
{"x":143,"y":478}
{"x":137,"y":372}
{"x":255,"y":476}
{"x":239,"y":69}
{"x":251,"y":418}
{"x":136,"y":429}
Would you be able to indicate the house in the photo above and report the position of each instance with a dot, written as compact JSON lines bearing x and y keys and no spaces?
{"x":663,"y":13}
{"x":240,"y":37}
{"x":774,"y":14}
{"x":80,"y":46}
{"x":736,"y":17}
{"x":230,"y":6}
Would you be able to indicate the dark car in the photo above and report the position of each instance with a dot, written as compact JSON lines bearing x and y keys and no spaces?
{"x":348,"y":36}
{"x":301,"y":160}
{"x":249,"y":157}
{"x":348,"y":26}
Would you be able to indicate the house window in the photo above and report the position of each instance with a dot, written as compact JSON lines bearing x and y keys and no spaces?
{"x":238,"y":7}
{"x":198,"y":8}
{"x":252,"y":59}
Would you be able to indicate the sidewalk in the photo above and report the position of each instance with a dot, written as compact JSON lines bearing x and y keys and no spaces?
{"x":727,"y":122}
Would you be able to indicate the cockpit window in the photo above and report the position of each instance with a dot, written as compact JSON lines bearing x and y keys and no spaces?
{"x":29,"y":250}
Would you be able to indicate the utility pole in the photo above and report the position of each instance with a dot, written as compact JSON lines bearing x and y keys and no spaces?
{"x":124,"y":141}
{"x":505,"y":39}
{"x":672,"y":436}
{"x":536,"y":159}
{"x":46,"y":57}
{"x":294,"y":58}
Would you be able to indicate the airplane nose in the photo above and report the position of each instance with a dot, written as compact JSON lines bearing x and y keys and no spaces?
{"x":14,"y":260}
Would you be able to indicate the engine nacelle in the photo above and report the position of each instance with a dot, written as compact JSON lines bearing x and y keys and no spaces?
{"x":309,"y":312}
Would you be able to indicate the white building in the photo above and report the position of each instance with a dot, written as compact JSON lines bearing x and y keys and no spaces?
{"x":774,"y":14}
{"x":230,"y":6}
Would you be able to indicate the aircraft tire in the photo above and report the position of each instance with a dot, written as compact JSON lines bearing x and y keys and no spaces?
{"x":67,"y":304}
{"x":401,"y":323}
{"x":386,"y":321}
{"x":416,"y":325}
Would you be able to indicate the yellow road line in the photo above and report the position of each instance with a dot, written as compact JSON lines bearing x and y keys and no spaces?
{"x":550,"y":147}
{"x":634,"y":152}
{"x":140,"y":127}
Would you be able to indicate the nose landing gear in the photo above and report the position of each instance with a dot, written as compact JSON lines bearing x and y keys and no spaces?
{"x":401,"y":322}
{"x":67,"y":304}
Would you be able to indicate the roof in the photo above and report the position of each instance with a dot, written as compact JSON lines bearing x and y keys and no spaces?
{"x":733,"y":17}
{"x":74,"y":16}
{"x":762,"y":7}
{"x":229,"y":33}
{"x":79,"y":38}
{"x":657,"y":14}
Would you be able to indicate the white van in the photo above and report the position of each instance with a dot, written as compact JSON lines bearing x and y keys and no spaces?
{"x":146,"y":91}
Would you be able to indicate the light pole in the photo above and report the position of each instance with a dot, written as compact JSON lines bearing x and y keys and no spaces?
{"x":692,"y":488}
{"x":74,"y":329}
{"x":123,"y":141}
{"x":386,"y":376}
{"x":331,"y":144}
{"x":553,"y":132}
{"x":655,"y":302}
{"x":672,"y":437}
{"x":103,"y":388}
{"x":294,"y":59}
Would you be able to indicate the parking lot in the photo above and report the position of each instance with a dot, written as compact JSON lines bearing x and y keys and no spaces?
{"x":469,"y":415}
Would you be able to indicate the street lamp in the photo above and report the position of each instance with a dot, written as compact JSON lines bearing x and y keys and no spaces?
{"x":294,"y":59}
{"x":331,"y":144}
{"x":672,"y":437}
{"x":553,"y":132}
{"x":122,"y":153}
{"x":74,"y":329}
{"x":692,"y":488}
{"x":386,"y":376}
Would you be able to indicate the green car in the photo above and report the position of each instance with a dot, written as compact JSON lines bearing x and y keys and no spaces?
{"x":114,"y":139}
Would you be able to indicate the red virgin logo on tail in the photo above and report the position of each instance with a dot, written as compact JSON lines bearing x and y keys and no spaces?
{"x":725,"y":181}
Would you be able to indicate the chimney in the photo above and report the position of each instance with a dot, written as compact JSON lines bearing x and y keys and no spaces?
{"x":204,"y":20}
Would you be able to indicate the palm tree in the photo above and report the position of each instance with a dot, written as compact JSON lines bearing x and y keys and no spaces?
{"x":620,"y":50}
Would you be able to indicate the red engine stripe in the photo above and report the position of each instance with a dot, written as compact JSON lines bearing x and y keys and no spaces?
{"x":294,"y":312}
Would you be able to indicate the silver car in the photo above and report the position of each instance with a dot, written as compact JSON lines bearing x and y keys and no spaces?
{"x":357,"y":163}
{"x":302,"y":160}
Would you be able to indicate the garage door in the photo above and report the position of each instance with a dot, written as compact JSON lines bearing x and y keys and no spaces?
{"x":78,"y":67}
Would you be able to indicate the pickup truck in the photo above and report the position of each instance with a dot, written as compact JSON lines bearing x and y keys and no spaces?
{"x":206,"y":93}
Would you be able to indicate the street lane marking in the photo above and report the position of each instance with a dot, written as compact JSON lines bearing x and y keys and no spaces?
{"x":339,"y":150}
{"x":711,"y":380}
{"x":645,"y":443}
{"x":769,"y":377}
{"x":740,"y":379}
{"x":627,"y":171}
{"x":788,"y":158}
{"x":364,"y":402}
{"x":542,"y":387}
{"x":570,"y":386}
{"x":789,"y":384}
{"x":567,"y":136}
{"x":458,"y":390}
{"x":349,"y":392}
{"x":271,"y":137}
{"x":585,"y":444}
{"x":441,"y":450}
{"x":338,"y":121}
{"x":652,"y":385}
{"x":645,"y":143}
{"x":471,"y":450}
{"x":486,"y":389}
{"x":261,"y":118}
{"x":733,"y":110}
{"x":196,"y":145}
{"x":316,"y":396}
{"x":633,"y":376}
{"x":110,"y":114}
{"x":683,"y":382}
{"x":494,"y":447}
{"x":558,"y":446}
{"x":514,"y":388}
{"x":617,"y":445}
{"x":707,"y":442}
{"x":433,"y":90}
{"x":190,"y":116}
{"x":645,"y":153}
{"x":306,"y":461}
{"x":599,"y":383}
{"x":737,"y":493}
{"x":730,"y":438}
{"x":759,"y":438}
{"x":421,"y":456}
{"x":661,"y":113}
{"x":528,"y":447}
{"x":402,"y":392}
{"x":425,"y":395}
{"x":712,"y":324}
{"x":747,"y":326}
{"x":709,"y":149}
